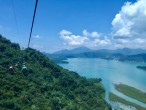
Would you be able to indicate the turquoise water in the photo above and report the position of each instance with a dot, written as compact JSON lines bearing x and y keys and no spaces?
{"x":111,"y":72}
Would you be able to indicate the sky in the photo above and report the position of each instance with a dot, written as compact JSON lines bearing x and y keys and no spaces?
{"x":67,"y":24}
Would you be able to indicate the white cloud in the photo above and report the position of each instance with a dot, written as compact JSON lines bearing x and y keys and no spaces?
{"x":65,"y":32}
{"x":71,"y":39}
{"x":122,"y":41}
{"x":89,"y":39}
{"x":91,"y":34}
{"x":129,"y":30}
{"x":86,"y":33}
{"x":129,"y":25}
{"x":131,"y":20}
{"x":131,"y":43}
{"x":95,"y":34}
{"x":36,"y":36}
{"x":74,"y":39}
{"x":140,"y":41}
{"x":102,"y":42}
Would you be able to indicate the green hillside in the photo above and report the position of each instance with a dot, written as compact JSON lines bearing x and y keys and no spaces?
{"x":43,"y":85}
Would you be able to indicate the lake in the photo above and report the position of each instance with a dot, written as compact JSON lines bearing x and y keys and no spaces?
{"x":111,"y":72}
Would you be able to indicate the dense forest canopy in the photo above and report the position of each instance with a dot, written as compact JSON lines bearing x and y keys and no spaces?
{"x":43,"y":85}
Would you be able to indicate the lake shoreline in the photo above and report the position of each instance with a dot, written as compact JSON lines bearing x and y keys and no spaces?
{"x":111,"y":72}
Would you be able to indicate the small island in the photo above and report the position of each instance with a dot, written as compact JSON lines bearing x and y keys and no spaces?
{"x":141,"y":67}
{"x":131,"y":92}
{"x":116,"y":98}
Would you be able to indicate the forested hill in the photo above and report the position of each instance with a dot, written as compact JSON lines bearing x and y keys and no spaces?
{"x":42,"y":85}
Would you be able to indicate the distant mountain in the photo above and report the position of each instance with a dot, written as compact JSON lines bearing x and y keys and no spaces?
{"x":125,"y":54}
{"x":141,"y":56}
{"x":128,"y":51}
{"x":124,"y":51}
{"x":65,"y":51}
{"x":74,"y":51}
{"x":104,"y":55}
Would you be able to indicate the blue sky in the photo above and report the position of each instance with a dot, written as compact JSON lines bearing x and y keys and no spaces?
{"x":66,"y":24}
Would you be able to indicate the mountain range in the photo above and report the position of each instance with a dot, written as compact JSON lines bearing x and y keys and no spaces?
{"x":124,"y":51}
{"x":125,"y":54}
{"x":74,"y":51}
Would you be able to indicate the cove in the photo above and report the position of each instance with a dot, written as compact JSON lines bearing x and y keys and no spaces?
{"x":111,"y":72}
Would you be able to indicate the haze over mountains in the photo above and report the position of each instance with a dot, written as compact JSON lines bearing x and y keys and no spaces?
{"x":124,"y":51}
{"x":74,"y":51}
{"x":125,"y":54}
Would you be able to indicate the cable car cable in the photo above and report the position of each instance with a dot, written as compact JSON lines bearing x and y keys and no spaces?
{"x":32,"y":23}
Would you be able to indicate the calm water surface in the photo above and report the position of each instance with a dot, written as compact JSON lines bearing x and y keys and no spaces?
{"x":111,"y":72}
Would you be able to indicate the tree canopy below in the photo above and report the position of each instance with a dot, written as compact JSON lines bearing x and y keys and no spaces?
{"x":43,"y":85}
